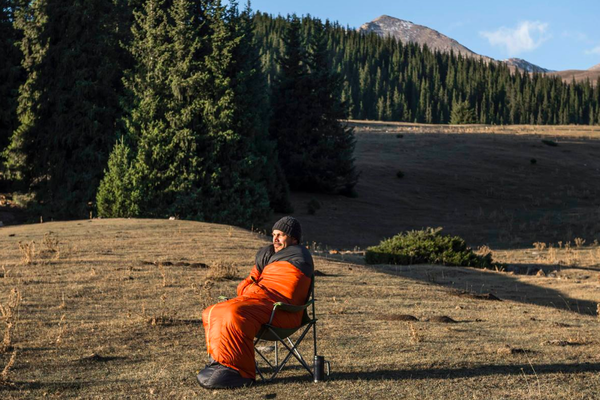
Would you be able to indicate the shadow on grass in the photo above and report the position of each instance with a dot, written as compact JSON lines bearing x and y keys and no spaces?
{"x":501,"y":285}
{"x":61,"y":386}
{"x":453,"y":373}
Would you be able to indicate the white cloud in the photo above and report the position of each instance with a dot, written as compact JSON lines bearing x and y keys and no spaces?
{"x":595,"y":50}
{"x":527,"y":36}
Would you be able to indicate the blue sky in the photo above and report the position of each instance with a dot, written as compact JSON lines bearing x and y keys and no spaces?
{"x":552,"y":34}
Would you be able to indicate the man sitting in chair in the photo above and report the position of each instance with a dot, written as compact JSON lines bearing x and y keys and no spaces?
{"x":282,"y":272}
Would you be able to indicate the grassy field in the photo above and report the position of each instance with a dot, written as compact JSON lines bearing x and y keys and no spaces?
{"x":111,"y":309}
{"x":501,"y":186}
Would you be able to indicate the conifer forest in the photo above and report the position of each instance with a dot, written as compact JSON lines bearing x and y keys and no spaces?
{"x":209,"y":111}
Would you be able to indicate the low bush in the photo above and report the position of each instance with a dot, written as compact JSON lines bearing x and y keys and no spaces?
{"x":427,"y":246}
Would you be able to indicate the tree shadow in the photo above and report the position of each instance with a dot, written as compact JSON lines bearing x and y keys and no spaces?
{"x":454,"y":373}
{"x":499,"y":284}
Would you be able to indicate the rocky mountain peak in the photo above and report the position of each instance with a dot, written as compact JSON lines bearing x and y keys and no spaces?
{"x":409,"y":32}
{"x":524,"y":65}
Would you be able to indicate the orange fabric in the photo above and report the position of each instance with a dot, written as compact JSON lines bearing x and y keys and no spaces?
{"x":231,"y":326}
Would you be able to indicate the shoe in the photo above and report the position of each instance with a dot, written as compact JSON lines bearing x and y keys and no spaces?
{"x":218,"y":376}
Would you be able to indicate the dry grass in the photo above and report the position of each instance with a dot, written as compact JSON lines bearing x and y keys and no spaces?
{"x":222,"y":271}
{"x":4,"y":375}
{"x":100,"y":302}
{"x":27,"y":252}
{"x":475,"y":181}
{"x":9,"y":313}
{"x":415,"y":336}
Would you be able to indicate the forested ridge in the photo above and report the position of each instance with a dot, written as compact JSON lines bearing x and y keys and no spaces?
{"x":159,"y":108}
{"x":200,"y":110}
{"x":387,"y":80}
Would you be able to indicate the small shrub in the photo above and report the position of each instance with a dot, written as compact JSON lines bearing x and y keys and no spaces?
{"x":426,"y":246}
{"x":28,"y":251}
{"x":5,"y":371}
{"x":399,"y":174}
{"x":51,"y":245}
{"x":550,"y":143}
{"x":222,"y":271}
{"x":9,"y":315}
{"x":312,"y":206}
{"x":165,"y":315}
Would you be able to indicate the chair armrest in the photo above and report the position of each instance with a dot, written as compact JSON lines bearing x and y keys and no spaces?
{"x":290,"y":307}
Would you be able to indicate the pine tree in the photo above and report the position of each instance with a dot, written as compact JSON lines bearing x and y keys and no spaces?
{"x":197,"y":125}
{"x":329,"y":157}
{"x":114,"y":194}
{"x":290,"y":103}
{"x":316,"y":149}
{"x":237,"y":194}
{"x":68,"y":107}
{"x":462,"y":113}
{"x":11,"y":72}
{"x":252,"y":111}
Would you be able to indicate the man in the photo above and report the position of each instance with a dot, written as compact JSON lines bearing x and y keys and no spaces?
{"x":282,"y":272}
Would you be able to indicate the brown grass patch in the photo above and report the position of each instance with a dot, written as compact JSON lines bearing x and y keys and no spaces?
{"x":221,"y":271}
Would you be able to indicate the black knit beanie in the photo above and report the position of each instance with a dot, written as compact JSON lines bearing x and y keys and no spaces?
{"x":290,"y":226}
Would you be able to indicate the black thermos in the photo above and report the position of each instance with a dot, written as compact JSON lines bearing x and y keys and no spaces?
{"x":319,"y":368}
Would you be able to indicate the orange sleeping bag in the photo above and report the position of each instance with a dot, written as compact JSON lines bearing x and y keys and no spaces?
{"x":231,"y":326}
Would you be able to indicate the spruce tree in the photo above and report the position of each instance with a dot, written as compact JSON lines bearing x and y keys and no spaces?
{"x":163,"y":124}
{"x":235,"y":193}
{"x":197,"y":136}
{"x":462,"y":113}
{"x":11,"y":72}
{"x":329,"y":153}
{"x":290,"y":104}
{"x":316,"y":149}
{"x":114,"y":194}
{"x":252,"y":110}
{"x":68,"y":107}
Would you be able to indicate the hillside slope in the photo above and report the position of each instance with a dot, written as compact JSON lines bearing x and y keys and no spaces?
{"x":110,"y":309}
{"x":500,"y":186}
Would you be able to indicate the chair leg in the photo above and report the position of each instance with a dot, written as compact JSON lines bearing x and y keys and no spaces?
{"x":292,"y":352}
{"x":258,"y":370}
{"x":276,"y":355}
{"x":295,"y":350}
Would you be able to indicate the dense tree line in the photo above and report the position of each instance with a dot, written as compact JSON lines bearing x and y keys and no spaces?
{"x":385,"y":79}
{"x":201,"y":110}
{"x":159,"y":108}
{"x":11,"y":72}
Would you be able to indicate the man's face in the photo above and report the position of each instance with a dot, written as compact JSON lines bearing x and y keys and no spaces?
{"x":281,"y":240}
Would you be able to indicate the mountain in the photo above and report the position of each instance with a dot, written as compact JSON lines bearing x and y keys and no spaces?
{"x":409,"y":32}
{"x":524,"y":65}
{"x":595,"y":68}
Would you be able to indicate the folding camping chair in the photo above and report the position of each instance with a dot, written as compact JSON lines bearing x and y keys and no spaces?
{"x":278,"y":335}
